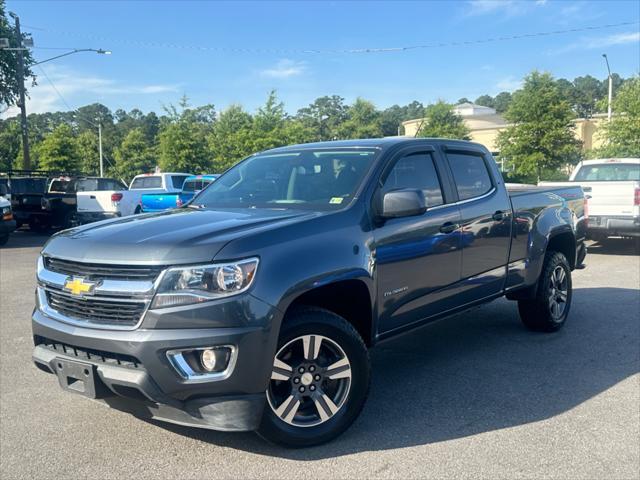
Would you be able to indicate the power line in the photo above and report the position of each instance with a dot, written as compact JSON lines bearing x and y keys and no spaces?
{"x":337,"y":51}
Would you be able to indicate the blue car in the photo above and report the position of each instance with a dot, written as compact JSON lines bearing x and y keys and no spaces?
{"x":158,"y":202}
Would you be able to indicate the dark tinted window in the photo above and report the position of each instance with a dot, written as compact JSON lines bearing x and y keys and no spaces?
{"x":608,"y":172}
{"x":28,"y":185}
{"x":470,"y":174}
{"x":98,"y":184}
{"x":178,"y":180}
{"x":416,"y":171}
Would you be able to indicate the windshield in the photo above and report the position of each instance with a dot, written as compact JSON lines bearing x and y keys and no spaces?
{"x":307,"y":179}
{"x":608,"y":172}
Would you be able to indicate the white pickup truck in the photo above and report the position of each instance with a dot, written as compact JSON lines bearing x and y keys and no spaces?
{"x":93,"y":206}
{"x":613,"y":188}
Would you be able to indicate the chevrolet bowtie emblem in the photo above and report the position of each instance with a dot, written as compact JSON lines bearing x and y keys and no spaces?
{"x":79,"y":286}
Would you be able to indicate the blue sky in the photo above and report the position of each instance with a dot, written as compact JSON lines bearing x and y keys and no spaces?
{"x":223,"y":53}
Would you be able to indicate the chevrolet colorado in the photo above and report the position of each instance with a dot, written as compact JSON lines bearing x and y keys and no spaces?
{"x":253,"y":307}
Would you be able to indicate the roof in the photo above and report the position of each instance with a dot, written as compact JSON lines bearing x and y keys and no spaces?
{"x":204,"y":175}
{"x":380,"y":143}
{"x":599,"y":161}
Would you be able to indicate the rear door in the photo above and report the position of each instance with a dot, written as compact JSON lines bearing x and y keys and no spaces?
{"x":485,"y":212}
{"x":417,"y":258}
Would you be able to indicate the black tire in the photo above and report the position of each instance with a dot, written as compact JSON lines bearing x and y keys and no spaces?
{"x":4,"y":239}
{"x":541,"y":313}
{"x":335,"y":330}
{"x":138,"y":210}
{"x":38,"y":226}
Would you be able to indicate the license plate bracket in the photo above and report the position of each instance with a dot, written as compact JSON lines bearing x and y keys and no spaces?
{"x":77,"y":377}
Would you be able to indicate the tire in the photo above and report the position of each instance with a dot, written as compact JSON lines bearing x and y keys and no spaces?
{"x":138,"y":211}
{"x":4,"y":239}
{"x":314,"y":339}
{"x":38,"y":226}
{"x":544,"y":313}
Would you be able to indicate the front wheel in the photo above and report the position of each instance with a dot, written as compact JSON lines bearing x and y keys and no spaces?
{"x":548,"y":312}
{"x":319,"y":382}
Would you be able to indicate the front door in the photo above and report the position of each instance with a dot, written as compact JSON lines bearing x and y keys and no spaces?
{"x":416,"y":257}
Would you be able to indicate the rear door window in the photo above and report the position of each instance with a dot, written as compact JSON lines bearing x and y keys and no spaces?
{"x":470,"y":174}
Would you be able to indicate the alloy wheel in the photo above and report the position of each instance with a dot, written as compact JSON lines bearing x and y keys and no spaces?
{"x":310,"y":381}
{"x":558,"y":292}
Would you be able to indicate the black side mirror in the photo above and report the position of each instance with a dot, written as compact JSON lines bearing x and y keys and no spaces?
{"x":403,"y":203}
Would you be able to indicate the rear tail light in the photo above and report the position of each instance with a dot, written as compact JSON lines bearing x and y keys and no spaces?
{"x":636,"y":197}
{"x":586,"y":210}
{"x":178,"y":202}
{"x":116,"y":197}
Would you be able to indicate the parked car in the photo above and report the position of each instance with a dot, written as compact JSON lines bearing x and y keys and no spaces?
{"x":254,"y":307}
{"x":158,"y":202}
{"x":99,"y":200}
{"x":129,"y":200}
{"x":613,"y":187}
{"x":5,"y":187}
{"x":46,"y":202}
{"x":7,"y":223}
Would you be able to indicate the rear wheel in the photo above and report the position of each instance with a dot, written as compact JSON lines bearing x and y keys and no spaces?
{"x":549,"y":310}
{"x":319,"y":382}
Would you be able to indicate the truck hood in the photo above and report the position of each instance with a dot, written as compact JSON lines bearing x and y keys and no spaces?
{"x":175,"y":237}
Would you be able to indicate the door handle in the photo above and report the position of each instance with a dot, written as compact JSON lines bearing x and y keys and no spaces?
{"x":448,"y":227}
{"x":92,"y":197}
{"x":498,"y":216}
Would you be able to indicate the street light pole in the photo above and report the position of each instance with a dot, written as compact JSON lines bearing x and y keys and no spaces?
{"x":100,"y":147}
{"x":26,"y":157}
{"x":610,"y":87}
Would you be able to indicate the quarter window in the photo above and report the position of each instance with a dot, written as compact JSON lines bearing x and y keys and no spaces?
{"x":470,"y":174}
{"x":416,"y":171}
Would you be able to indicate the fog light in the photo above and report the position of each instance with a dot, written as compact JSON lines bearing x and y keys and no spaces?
{"x":208,"y":360}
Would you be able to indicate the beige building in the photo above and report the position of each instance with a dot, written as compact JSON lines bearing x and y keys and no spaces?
{"x":484,"y":124}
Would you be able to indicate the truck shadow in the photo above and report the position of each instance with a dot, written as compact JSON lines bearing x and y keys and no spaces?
{"x":615,"y":246}
{"x":478,"y":372}
{"x":26,"y":239}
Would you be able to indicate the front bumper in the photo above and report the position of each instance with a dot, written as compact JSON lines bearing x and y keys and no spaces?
{"x":614,"y":226}
{"x":152,"y":388}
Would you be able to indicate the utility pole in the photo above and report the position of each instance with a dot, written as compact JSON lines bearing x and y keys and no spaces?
{"x":100,"y":147}
{"x":26,"y":157}
{"x":610,"y":87}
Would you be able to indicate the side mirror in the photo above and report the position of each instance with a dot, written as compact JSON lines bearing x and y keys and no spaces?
{"x":403,"y":203}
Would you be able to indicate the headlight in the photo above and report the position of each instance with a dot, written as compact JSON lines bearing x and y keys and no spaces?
{"x":201,"y":283}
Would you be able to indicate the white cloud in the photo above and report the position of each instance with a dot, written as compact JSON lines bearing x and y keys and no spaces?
{"x":285,"y":68}
{"x":600,"y":42}
{"x":70,"y":85}
{"x":509,"y":84}
{"x":509,"y":8}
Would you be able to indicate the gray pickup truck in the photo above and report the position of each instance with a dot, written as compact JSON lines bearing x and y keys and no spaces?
{"x":254,"y":306}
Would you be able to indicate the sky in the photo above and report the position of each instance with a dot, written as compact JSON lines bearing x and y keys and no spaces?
{"x":236,"y":52}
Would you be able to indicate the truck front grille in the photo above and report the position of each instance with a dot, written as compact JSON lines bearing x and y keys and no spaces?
{"x":102,"y":271}
{"x":96,"y":310}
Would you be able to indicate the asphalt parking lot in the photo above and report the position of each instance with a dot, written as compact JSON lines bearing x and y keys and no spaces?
{"x":475,"y":395}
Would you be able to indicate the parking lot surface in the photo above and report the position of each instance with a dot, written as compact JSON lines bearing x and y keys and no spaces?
{"x":475,"y":395}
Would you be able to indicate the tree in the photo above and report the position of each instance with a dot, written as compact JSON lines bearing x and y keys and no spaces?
{"x":9,"y":89}
{"x":183,"y":141}
{"x":502,"y":101}
{"x":231,"y":138}
{"x":463,"y":100}
{"x":134,"y":156}
{"x":10,"y":144}
{"x":88,"y":151}
{"x":587,"y":91}
{"x":622,"y":134}
{"x":541,"y":137}
{"x":440,"y":121}
{"x":324,"y":116}
{"x":485,"y":101}
{"x":363,"y":121}
{"x":58,"y":151}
